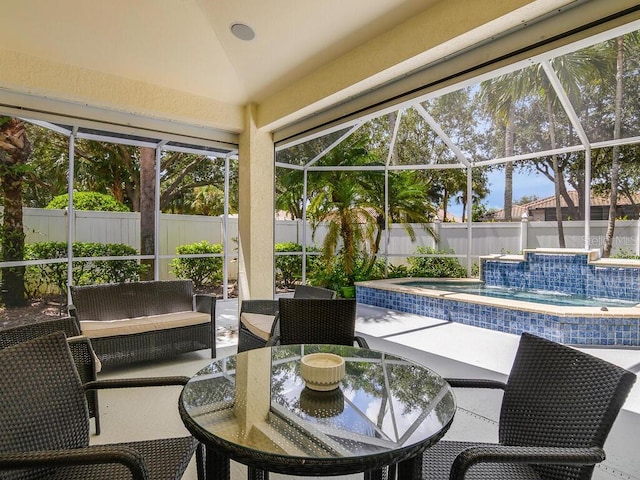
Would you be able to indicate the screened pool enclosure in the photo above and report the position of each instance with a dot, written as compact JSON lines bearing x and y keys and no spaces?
{"x":569,"y":116}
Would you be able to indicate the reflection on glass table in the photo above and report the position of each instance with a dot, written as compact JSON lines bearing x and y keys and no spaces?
{"x":255,"y":408}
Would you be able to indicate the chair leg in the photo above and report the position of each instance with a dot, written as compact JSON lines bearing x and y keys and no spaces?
{"x":257,"y":474}
{"x":97,"y":423}
{"x":96,"y":413}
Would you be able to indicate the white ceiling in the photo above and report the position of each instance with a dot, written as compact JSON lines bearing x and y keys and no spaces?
{"x":186,"y":45}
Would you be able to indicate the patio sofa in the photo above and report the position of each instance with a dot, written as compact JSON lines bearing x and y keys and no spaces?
{"x":142,"y":321}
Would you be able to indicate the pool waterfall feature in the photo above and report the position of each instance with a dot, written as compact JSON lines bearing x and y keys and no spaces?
{"x":580,"y":273}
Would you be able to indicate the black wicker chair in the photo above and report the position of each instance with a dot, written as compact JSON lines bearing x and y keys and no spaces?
{"x":558,"y":407}
{"x":247,"y":339}
{"x":44,"y":425}
{"x":81,"y":350}
{"x":315,"y":320}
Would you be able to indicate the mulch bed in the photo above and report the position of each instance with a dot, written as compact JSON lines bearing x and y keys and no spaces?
{"x":36,"y":311}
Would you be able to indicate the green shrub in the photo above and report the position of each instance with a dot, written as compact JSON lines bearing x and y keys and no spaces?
{"x":436,"y":267}
{"x":88,"y":201}
{"x":45,"y":277}
{"x":203,"y":270}
{"x":475,"y":270}
{"x":397,"y":271}
{"x":289,"y":267}
{"x":624,"y":253}
{"x":332,"y":275}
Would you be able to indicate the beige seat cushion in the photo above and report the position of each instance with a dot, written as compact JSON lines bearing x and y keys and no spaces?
{"x":128,"y":326}
{"x":258,"y":324}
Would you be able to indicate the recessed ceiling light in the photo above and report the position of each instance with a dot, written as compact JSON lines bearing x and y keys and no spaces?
{"x":242,"y":31}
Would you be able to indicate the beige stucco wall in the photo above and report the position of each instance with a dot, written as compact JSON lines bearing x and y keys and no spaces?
{"x":256,"y":206}
{"x":40,"y":77}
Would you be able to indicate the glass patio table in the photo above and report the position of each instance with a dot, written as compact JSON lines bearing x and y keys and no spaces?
{"x":254,"y":408}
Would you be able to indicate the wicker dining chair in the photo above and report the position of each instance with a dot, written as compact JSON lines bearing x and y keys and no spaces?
{"x":44,"y":425}
{"x":83,"y":355}
{"x":258,"y":319}
{"x":315,"y":320}
{"x":558,"y":407}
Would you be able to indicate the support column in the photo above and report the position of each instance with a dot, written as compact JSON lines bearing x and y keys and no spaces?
{"x":524,"y":232}
{"x":256,"y":276}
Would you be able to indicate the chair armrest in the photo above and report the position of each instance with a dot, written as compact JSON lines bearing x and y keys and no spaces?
{"x":205,"y":303}
{"x":475,"y":383}
{"x":13,"y":335}
{"x":93,"y":455}
{"x":136,"y":382}
{"x":73,"y":311}
{"x":519,"y":454}
{"x":273,"y":340}
{"x":84,"y":357}
{"x":362,"y":343}
{"x":69,"y":325}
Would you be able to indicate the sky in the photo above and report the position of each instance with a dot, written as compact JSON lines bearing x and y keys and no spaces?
{"x":524,"y":184}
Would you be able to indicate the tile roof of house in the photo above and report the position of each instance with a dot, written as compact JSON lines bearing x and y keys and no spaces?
{"x":550,"y":202}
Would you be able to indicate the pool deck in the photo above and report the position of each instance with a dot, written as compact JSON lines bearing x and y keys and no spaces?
{"x":450,"y":349}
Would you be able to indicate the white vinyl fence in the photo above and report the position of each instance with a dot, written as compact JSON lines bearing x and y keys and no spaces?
{"x":487,"y":238}
{"x":124,"y":227}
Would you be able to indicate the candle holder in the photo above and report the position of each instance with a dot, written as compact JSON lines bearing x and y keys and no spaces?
{"x":322,"y":371}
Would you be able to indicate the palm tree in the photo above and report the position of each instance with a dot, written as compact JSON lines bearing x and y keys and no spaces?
{"x":408,"y":204}
{"x":289,"y":186}
{"x":147,"y":207}
{"x":15,"y":149}
{"x":530,"y":85}
{"x":499,"y":95}
{"x":340,"y":203}
{"x":619,"y":45}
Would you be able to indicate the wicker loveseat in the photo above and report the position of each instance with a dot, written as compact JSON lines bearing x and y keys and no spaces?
{"x":142,"y":321}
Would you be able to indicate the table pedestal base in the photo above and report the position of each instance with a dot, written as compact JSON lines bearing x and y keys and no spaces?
{"x":408,"y":469}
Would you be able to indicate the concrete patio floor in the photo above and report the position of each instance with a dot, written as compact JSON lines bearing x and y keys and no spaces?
{"x":448,"y":348}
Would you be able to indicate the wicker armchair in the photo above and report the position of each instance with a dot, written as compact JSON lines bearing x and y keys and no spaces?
{"x":44,"y":426}
{"x":81,"y":350}
{"x":314,"y":320}
{"x":558,"y":407}
{"x":261,"y":323}
{"x":307,"y":291}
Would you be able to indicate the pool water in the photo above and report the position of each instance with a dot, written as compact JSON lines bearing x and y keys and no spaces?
{"x":535,"y":296}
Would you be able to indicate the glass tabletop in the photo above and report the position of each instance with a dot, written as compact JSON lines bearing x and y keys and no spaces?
{"x":256,"y":405}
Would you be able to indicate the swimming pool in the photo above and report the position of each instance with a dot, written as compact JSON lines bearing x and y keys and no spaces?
{"x":605,"y":323}
{"x":535,"y":296}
